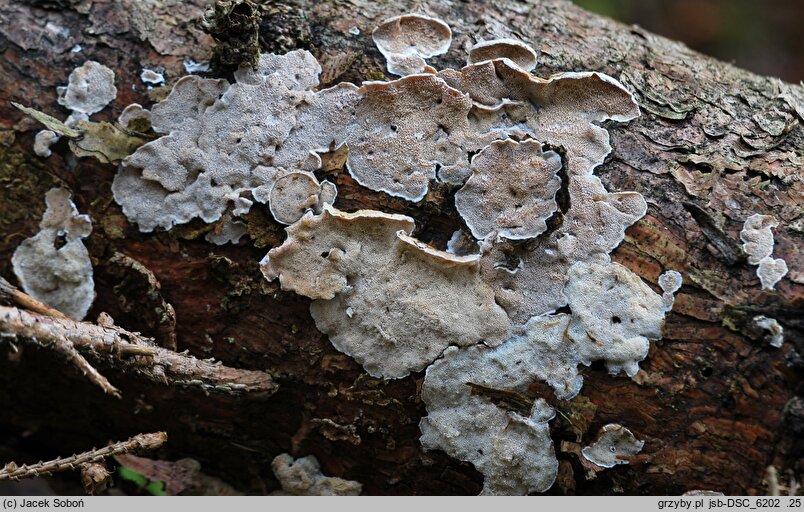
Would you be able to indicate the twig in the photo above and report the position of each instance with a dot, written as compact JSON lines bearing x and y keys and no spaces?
{"x":159,"y":364}
{"x":10,"y":293}
{"x":139,"y":442}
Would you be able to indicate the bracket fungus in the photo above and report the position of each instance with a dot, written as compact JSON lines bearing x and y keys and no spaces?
{"x":407,"y":40}
{"x":89,"y":89}
{"x":612,"y":444}
{"x":758,"y":244}
{"x":385,"y":299}
{"x":519,"y":53}
{"x":54,"y":266}
{"x":511,"y":191}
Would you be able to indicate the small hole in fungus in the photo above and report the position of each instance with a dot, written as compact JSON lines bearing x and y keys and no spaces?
{"x":394,"y":127}
{"x":325,"y":254}
{"x":60,"y":242}
{"x":615,"y":320}
{"x":707,"y":371}
{"x":480,"y":451}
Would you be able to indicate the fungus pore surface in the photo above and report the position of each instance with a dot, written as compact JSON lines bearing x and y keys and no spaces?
{"x":483,"y":316}
{"x":53,"y":266}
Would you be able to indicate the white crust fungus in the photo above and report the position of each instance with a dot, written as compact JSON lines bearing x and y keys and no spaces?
{"x":303,"y":477}
{"x":561,"y":110}
{"x":89,"y":89}
{"x":42,"y":142}
{"x":54,"y":266}
{"x":511,"y":191}
{"x":407,"y":40}
{"x":757,"y":237}
{"x":405,"y":130}
{"x":131,"y":113}
{"x":775,"y":330}
{"x":516,"y":51}
{"x":512,"y":449}
{"x":295,"y":193}
{"x":387,"y":300}
{"x":758,"y":245}
{"x":614,"y":312}
{"x":670,"y":282}
{"x":149,"y":76}
{"x":613,"y":442}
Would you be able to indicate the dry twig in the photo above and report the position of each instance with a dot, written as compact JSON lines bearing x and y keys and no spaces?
{"x":139,"y":442}
{"x":114,"y":347}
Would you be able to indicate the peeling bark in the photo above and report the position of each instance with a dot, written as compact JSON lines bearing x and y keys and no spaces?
{"x":715,"y":144}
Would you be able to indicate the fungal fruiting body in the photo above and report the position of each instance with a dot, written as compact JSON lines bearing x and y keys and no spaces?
{"x":54,"y":266}
{"x":481,"y":318}
{"x":614,"y":442}
{"x":303,"y":477}
{"x":406,"y":41}
{"x":758,"y":245}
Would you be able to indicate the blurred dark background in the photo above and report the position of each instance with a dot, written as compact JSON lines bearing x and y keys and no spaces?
{"x":764,"y":36}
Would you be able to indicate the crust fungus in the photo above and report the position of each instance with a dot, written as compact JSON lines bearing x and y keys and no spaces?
{"x":54,"y":266}
{"x":511,"y":191}
{"x":512,"y":448}
{"x":407,"y":40}
{"x":89,"y":89}
{"x":406,"y":129}
{"x":42,"y":142}
{"x":133,"y":115}
{"x":149,"y":76}
{"x":612,"y":444}
{"x":303,"y":477}
{"x":519,"y":53}
{"x":295,"y":193}
{"x":561,"y":110}
{"x":758,"y":245}
{"x":613,"y":312}
{"x":220,"y":142}
{"x":387,"y":300}
{"x":775,"y":330}
{"x":670,"y":282}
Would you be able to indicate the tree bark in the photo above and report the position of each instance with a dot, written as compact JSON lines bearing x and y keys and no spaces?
{"x":714,"y":144}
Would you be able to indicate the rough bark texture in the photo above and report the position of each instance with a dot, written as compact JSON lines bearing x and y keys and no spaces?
{"x":715,"y":144}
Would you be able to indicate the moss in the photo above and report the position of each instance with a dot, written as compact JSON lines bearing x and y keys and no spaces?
{"x":23,"y":183}
{"x":235,"y":25}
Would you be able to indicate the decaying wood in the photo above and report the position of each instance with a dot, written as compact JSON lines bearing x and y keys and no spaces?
{"x":139,"y":442}
{"x":715,"y":404}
